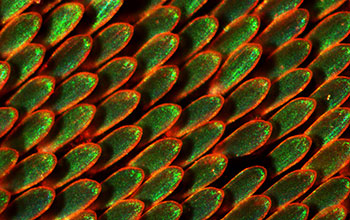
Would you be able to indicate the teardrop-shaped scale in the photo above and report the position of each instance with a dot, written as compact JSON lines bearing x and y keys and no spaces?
{"x":67,"y":57}
{"x":159,"y":185}
{"x":18,"y":33}
{"x":113,"y":110}
{"x":332,"y":192}
{"x":157,"y":155}
{"x":158,"y":120}
{"x":294,"y":211}
{"x":111,"y":76}
{"x":237,"y":66}
{"x":244,"y":99}
{"x":336,"y":212}
{"x":245,"y":140}
{"x":32,"y":94}
{"x":73,"y":164}
{"x":116,"y":145}
{"x":282,"y":29}
{"x":5,"y":70}
{"x":59,"y":23}
{"x":290,"y":187}
{"x":329,"y":159}
{"x":118,"y":186}
{"x":235,"y":34}
{"x":23,"y":64}
{"x":12,"y":8}
{"x":29,"y":172}
{"x":30,"y":131}
{"x":196,"y":114}
{"x":31,"y":204}
{"x":329,"y":126}
{"x":241,"y":186}
{"x":198,"y":142}
{"x":108,"y":43}
{"x":291,"y":116}
{"x":68,"y":126}
{"x":73,"y":199}
{"x":4,"y":199}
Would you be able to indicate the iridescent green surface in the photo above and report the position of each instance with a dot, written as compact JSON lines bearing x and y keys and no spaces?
{"x":196,"y":72}
{"x":285,"y":88}
{"x":156,"y":156}
{"x":270,"y":9}
{"x":4,"y":199}
{"x":32,"y":94}
{"x":295,"y":211}
{"x":8,"y":158}
{"x":290,"y":187}
{"x":291,"y":116}
{"x":159,"y":185}
{"x":244,"y":184}
{"x":328,"y":97}
{"x":203,"y":172}
{"x":29,"y":172}
{"x":23,"y":64}
{"x":331,"y":213}
{"x":320,"y":8}
{"x":283,"y":29}
{"x":99,"y":12}
{"x":199,"y":141}
{"x":330,"y":31}
{"x":113,"y":110}
{"x":244,"y":99}
{"x":130,"y":209}
{"x":30,"y":131}
{"x":4,"y":73}
{"x":286,"y":57}
{"x":155,"y":52}
{"x":60,"y":23}
{"x":288,"y":153}
{"x":202,"y":204}
{"x":246,"y":139}
{"x":229,"y":10}
{"x":73,"y":164}
{"x":196,"y":114}
{"x":255,"y":207}
{"x":330,"y":193}
{"x":196,"y":35}
{"x":67,"y":57}
{"x":19,"y":32}
{"x":8,"y":117}
{"x":329,"y":159}
{"x":113,"y":75}
{"x":67,"y":127}
{"x":329,"y":126}
{"x":156,"y":85}
{"x":116,"y":145}
{"x":74,"y":198}
{"x":188,"y":7}
{"x":108,"y":43}
{"x":72,"y":91}
{"x":118,"y":186}
{"x":168,"y":210}
{"x":235,"y":34}
{"x":160,"y":20}
{"x":30,"y":204}
{"x":237,"y":66}
{"x":330,"y":63}
{"x":158,"y":120}
{"x":10,"y":8}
